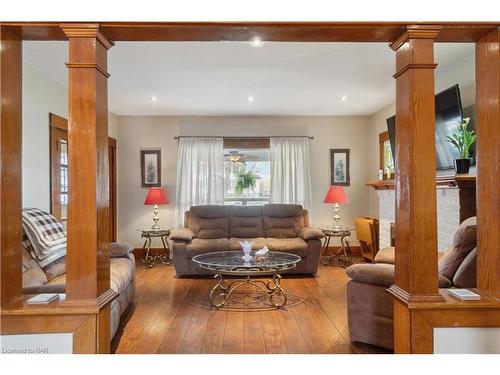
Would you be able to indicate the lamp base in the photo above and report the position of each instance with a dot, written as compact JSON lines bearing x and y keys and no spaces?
{"x":336,"y":217}
{"x":156,"y":218}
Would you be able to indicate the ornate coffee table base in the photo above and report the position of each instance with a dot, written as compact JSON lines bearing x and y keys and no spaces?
{"x":221,"y":292}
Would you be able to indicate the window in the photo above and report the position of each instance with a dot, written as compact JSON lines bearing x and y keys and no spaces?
{"x":247,"y":176}
{"x":386,"y":161}
{"x":59,"y":168}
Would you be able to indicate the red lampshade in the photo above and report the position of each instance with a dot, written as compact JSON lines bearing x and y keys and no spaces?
{"x":336,"y":194}
{"x":156,"y":195}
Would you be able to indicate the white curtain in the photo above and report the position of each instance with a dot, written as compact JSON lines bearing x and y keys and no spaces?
{"x":200,"y":174}
{"x":291,"y":171}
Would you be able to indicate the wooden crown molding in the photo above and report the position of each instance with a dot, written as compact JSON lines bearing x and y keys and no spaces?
{"x":89,"y":65}
{"x":85,"y":30}
{"x":413,"y":66}
{"x":416,"y":32}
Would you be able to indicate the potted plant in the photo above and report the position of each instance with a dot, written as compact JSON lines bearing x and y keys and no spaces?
{"x":244,"y":180}
{"x":462,"y":139}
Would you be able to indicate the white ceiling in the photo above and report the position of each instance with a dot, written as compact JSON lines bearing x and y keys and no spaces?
{"x":216,"y":78}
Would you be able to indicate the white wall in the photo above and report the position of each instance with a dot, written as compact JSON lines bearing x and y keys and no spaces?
{"x":42,"y":95}
{"x":136,"y":132}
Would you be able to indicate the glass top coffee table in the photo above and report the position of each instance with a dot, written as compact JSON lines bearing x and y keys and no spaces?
{"x":231,"y":263}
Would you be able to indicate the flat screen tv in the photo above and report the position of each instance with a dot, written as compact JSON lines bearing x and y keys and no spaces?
{"x":448,"y":112}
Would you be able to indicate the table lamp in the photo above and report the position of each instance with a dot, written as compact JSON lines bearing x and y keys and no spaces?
{"x":336,"y":195}
{"x":156,"y":196}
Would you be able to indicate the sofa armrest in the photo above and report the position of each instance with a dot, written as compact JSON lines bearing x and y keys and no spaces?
{"x":378,"y":274}
{"x":309,"y":233}
{"x":182,"y":235}
{"x":120,"y":250}
{"x":58,"y":288}
{"x":385,"y":255}
{"x":381,"y":274}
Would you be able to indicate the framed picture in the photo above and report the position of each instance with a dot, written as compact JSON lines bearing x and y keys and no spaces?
{"x":151,"y":168}
{"x":339,"y":164}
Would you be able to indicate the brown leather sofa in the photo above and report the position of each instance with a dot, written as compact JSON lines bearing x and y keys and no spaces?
{"x":122,"y":279}
{"x":282,"y":227}
{"x":370,"y":307}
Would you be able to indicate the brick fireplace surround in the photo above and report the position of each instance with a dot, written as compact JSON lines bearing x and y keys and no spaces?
{"x":456,"y":201}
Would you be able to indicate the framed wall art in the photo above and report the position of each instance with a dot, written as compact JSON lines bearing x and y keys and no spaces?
{"x":340,"y":168}
{"x":151,"y":168}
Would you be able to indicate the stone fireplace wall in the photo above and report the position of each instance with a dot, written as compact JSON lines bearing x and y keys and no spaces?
{"x":448,"y":215}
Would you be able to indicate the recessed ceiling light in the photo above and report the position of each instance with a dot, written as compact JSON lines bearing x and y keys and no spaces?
{"x":344,"y":98}
{"x":250,"y":98}
{"x":153,"y":98}
{"x":256,"y":42}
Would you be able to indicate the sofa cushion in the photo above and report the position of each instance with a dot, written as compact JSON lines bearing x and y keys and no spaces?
{"x":209,"y":222}
{"x":283,"y":220}
{"x":246,"y":221}
{"x":56,"y":268}
{"x":121,"y":273}
{"x":381,"y":274}
{"x":33,"y":275}
{"x":119,"y":249}
{"x":201,"y":245}
{"x":259,"y":243}
{"x":308,"y":233}
{"x":295,"y":245}
{"x":385,"y":255}
{"x":464,"y":241}
{"x":465,"y":277}
{"x":182,"y":234}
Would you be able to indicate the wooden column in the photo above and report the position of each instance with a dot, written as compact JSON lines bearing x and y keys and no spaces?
{"x":488,"y":163}
{"x":416,"y":275}
{"x":10,"y":167}
{"x":87,"y":260}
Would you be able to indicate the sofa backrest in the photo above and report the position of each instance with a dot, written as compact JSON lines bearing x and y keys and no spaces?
{"x":283,"y":220}
{"x":270,"y":220}
{"x":246,"y":222}
{"x":208,"y":221}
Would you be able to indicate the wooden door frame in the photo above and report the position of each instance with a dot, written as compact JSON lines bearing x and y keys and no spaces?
{"x":60,"y":124}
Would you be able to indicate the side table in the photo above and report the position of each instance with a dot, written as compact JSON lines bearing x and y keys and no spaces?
{"x":148,"y":234}
{"x":344,"y":254}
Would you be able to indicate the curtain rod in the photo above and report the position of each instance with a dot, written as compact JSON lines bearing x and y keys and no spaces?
{"x":215,"y":136}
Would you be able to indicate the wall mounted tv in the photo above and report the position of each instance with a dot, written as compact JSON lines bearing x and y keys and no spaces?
{"x":448,"y":112}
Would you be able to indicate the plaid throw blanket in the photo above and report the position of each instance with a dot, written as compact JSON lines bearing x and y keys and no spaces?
{"x":43,"y":236}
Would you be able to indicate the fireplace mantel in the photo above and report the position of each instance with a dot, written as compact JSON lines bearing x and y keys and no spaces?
{"x":466,"y":181}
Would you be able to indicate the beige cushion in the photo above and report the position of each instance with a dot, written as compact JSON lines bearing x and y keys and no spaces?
{"x":283,"y":220}
{"x":33,"y":275}
{"x":295,"y":245}
{"x":121,"y":273}
{"x":465,"y":277}
{"x":381,"y":274}
{"x":182,"y":234}
{"x":209,"y":221}
{"x":246,"y":221}
{"x":259,"y":243}
{"x":385,"y":255}
{"x":200,"y":246}
{"x":56,"y":268}
{"x":117,"y":250}
{"x":464,"y":241}
{"x":308,"y":233}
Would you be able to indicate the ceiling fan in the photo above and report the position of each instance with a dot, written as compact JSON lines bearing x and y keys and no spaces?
{"x":235,"y":156}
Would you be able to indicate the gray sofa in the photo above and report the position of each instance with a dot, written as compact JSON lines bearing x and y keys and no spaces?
{"x":370,"y":308}
{"x":281,"y":227}
{"x":122,"y":279}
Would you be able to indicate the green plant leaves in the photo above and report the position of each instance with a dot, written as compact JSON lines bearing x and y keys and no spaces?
{"x":463,"y":138}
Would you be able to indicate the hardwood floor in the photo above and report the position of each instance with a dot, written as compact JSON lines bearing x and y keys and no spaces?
{"x":173,"y":316}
